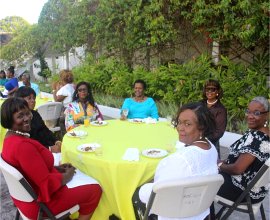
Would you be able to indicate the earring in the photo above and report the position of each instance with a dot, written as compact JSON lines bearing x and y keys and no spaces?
{"x":265,"y":124}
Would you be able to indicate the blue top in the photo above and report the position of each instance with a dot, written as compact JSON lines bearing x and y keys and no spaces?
{"x":144,"y":109}
{"x":11,"y":84}
{"x":34,"y":86}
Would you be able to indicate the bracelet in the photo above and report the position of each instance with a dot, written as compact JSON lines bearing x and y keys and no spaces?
{"x":219,"y":165}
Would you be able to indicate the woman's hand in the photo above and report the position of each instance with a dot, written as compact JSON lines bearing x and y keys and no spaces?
{"x":68,"y":174}
{"x":57,"y":147}
{"x":123,"y":117}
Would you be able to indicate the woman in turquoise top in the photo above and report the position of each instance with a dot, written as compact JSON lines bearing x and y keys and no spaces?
{"x":3,"y":79}
{"x":139,"y":106}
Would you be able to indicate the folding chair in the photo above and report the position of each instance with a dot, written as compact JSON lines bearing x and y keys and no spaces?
{"x":50,"y":113}
{"x":262,"y":178}
{"x":184,"y":197}
{"x":21,"y":190}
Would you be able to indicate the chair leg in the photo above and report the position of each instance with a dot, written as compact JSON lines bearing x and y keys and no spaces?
{"x":219,"y":214}
{"x":262,"y":212}
{"x":17,"y":217}
{"x":250,"y":210}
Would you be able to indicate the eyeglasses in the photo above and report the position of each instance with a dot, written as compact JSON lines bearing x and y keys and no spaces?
{"x":255,"y":113}
{"x":210,"y":89}
{"x":82,"y":90}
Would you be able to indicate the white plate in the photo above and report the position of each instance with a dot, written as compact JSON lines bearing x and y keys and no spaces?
{"x":91,"y":147}
{"x":137,"y":120}
{"x":154,"y":153}
{"x":76,"y":134}
{"x":98,"y":123}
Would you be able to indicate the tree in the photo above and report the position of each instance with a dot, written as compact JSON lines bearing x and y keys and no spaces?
{"x":63,"y":25}
{"x":12,"y":24}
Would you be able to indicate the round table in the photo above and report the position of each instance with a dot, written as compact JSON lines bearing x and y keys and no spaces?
{"x":118,"y":178}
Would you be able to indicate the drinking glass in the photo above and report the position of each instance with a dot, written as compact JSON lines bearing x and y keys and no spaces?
{"x":125,"y":112}
{"x":99,"y":151}
{"x":86,"y":121}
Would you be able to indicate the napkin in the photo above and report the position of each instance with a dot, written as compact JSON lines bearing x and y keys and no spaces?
{"x":57,"y":158}
{"x":150,"y":120}
{"x":131,"y":154}
{"x":80,"y":179}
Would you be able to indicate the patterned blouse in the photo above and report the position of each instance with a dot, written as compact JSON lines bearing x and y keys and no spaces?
{"x":75,"y":114}
{"x":257,"y":144}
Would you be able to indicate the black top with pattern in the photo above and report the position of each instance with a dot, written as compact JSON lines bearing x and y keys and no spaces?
{"x":257,"y":144}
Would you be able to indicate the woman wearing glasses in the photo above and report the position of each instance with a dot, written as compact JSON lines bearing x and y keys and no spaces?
{"x":82,"y":106}
{"x":248,"y":154}
{"x":212,"y":93}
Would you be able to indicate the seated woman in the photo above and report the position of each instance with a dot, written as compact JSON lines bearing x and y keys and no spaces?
{"x":248,"y":154}
{"x":82,"y":106}
{"x":140,"y":106}
{"x":12,"y":84}
{"x":65,"y":92}
{"x":36,"y":163}
{"x":194,"y":123}
{"x":212,"y":93}
{"x":39,"y":130}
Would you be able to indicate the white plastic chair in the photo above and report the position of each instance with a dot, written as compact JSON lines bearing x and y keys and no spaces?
{"x":262,"y":178}
{"x":184,"y":197}
{"x":51,"y":112}
{"x":21,"y":190}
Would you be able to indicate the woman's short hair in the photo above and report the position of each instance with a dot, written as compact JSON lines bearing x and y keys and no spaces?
{"x":263,"y":101}
{"x":25,"y":91}
{"x":66,"y":76}
{"x":11,"y":69}
{"x":141,"y":82}
{"x":206,"y":122}
{"x":214,"y":83}
{"x":8,"y":108}
{"x":89,"y":98}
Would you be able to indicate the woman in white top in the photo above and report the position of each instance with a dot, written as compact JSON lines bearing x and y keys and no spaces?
{"x":198,"y":157}
{"x":65,"y":92}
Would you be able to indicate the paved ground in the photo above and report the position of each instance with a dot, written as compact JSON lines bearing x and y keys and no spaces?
{"x":7,"y":210}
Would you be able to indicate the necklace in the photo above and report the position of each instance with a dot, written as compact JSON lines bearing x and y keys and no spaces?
{"x":204,"y":142}
{"x":20,"y":133}
{"x":211,"y":103}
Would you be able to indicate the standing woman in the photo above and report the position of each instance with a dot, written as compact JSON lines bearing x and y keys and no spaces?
{"x":12,"y":84}
{"x":64,"y":94}
{"x":83,"y":105}
{"x":212,"y":93}
{"x":139,"y":106}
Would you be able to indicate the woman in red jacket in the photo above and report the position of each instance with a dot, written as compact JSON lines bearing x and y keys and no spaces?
{"x":35,"y":162}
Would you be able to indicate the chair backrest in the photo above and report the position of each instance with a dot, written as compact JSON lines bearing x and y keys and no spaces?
{"x":263,"y":175}
{"x":18,"y":186}
{"x":50,"y":110}
{"x":184,"y":197}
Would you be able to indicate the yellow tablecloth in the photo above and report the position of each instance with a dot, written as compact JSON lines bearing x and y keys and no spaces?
{"x":118,"y":178}
{"x":39,"y":102}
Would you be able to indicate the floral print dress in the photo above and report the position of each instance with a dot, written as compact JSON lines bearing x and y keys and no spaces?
{"x":257,"y":144}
